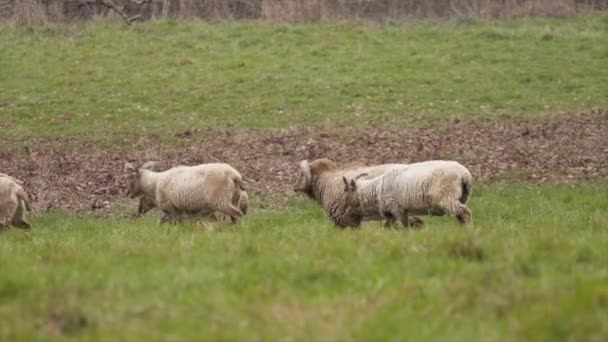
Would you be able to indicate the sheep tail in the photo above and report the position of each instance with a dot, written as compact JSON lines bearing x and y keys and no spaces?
{"x":466,"y":190}
{"x":22,"y":196}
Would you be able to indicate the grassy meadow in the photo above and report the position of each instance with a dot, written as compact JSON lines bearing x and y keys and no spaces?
{"x":111,"y":79}
{"x":534,"y":267}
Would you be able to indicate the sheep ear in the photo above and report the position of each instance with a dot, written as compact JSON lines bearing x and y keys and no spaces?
{"x":345,"y":183}
{"x":353,"y":185}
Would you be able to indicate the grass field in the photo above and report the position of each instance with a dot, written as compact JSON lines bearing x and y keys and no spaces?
{"x":111,"y":79}
{"x":532,"y":268}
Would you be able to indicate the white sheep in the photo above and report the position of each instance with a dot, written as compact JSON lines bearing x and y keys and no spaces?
{"x":201,"y":189}
{"x":435,"y":187}
{"x":147,"y":201}
{"x":321,"y":180}
{"x":13,"y":203}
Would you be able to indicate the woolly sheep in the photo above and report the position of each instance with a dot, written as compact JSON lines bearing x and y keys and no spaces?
{"x":321,"y":180}
{"x":201,"y":189}
{"x":13,"y":203}
{"x":435,"y":187}
{"x":147,"y":202}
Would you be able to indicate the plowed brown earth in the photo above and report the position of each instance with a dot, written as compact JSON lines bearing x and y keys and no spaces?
{"x":570,"y":148}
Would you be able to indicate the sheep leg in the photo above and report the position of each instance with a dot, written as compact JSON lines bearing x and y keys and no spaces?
{"x":18,"y":219}
{"x":415,"y":222}
{"x":230,"y":210}
{"x":218,"y":216}
{"x":390,"y":220}
{"x":171,"y":215}
{"x":406,"y":220}
{"x":464,"y":215}
{"x":166,"y":218}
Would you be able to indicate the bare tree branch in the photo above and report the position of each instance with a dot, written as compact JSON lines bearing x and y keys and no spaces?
{"x":111,"y":4}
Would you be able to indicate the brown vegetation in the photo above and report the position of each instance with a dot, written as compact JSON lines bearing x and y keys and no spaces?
{"x":571,"y":148}
{"x":32,"y":11}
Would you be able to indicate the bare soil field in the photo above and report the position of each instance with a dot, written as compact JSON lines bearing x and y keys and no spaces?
{"x":572,"y":147}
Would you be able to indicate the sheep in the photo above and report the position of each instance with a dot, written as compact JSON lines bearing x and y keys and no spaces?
{"x":147,"y":203}
{"x":13,"y":203}
{"x":200,"y":189}
{"x":321,"y":180}
{"x":14,"y":179}
{"x":435,"y":187}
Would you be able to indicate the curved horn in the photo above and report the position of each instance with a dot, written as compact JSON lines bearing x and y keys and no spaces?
{"x":152,"y":166}
{"x":306,"y":173}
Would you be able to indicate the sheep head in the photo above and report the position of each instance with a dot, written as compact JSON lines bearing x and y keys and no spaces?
{"x":135,"y":188}
{"x":310,"y":172}
{"x":303,"y":183}
{"x":352,"y":216}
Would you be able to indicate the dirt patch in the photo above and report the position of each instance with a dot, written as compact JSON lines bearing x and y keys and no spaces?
{"x":61,"y":174}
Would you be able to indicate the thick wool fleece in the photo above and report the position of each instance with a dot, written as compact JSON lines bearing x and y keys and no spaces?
{"x":416,"y":189}
{"x":327,"y":189}
{"x":13,"y":203}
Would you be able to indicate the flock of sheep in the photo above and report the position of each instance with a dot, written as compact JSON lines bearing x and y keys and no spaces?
{"x":349,"y":194}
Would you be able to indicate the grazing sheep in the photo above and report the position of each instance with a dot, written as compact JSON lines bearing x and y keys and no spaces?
{"x":435,"y":187}
{"x":201,"y":189}
{"x":13,"y":203}
{"x":321,"y":180}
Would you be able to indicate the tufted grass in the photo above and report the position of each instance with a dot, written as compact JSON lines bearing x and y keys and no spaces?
{"x":103,"y":79}
{"x":532,"y":268}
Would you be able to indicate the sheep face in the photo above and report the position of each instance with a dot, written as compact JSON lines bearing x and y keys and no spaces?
{"x":352,"y":213}
{"x":350,"y":193}
{"x":135,"y":189}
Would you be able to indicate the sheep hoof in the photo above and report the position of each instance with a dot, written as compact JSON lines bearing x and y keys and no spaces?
{"x":22,"y":224}
{"x":465,"y":217}
{"x":415,"y":222}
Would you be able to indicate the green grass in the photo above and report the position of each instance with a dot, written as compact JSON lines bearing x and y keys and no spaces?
{"x":104,"y":78}
{"x":534,"y":267}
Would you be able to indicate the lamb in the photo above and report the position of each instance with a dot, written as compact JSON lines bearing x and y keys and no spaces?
{"x":201,"y":189}
{"x":321,"y":180}
{"x":435,"y":187}
{"x":13,"y":203}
